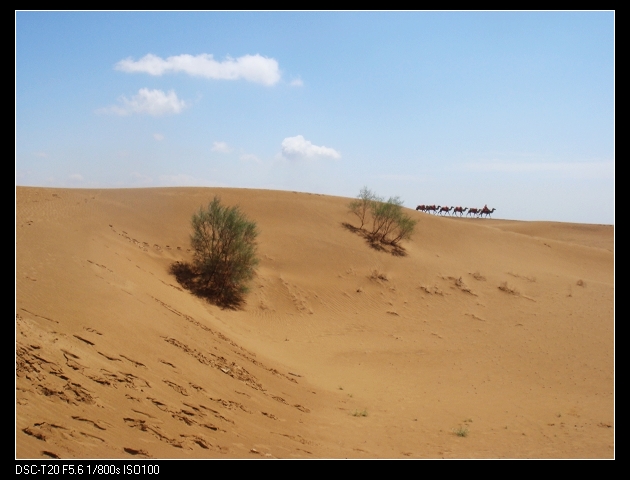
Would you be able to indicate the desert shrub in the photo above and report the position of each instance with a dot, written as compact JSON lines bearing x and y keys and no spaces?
{"x":224,"y":244}
{"x":363,"y":204}
{"x":390,"y":224}
{"x":508,"y":289}
{"x":461,"y":431}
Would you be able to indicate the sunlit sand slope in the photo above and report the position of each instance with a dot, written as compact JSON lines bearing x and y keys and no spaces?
{"x":485,"y":339}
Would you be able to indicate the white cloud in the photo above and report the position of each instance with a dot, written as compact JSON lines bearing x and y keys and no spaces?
{"x":41,"y":154}
{"x":253,"y":68}
{"x":151,"y":102}
{"x":249,"y":157}
{"x":296,"y":82}
{"x":298,"y":147}
{"x":221,"y":147}
{"x":158,"y":136}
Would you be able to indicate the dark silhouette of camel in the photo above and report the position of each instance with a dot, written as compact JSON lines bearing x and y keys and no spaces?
{"x":486,"y":211}
{"x":459,"y":210}
{"x":428,"y":208}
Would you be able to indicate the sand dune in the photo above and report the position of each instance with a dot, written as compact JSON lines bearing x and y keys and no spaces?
{"x":500,"y":331}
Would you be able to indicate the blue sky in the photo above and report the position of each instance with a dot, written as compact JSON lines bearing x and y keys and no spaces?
{"x":510,"y":109}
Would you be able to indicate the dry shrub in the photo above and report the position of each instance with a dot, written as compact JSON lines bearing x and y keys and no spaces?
{"x":507,"y":289}
{"x":478,"y":276}
{"x":376,"y":275}
{"x":581,"y":283}
{"x":390,"y":225}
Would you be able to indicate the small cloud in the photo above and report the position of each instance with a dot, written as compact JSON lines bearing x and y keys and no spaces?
{"x":158,"y":136}
{"x":151,"y":102}
{"x":296,"y":82}
{"x":249,"y":157}
{"x":298,"y":147}
{"x":41,"y":154}
{"x":221,"y":147}
{"x":253,"y":68}
{"x":76,"y":177}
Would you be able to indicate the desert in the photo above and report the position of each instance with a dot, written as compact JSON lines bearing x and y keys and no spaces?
{"x":486,"y":338}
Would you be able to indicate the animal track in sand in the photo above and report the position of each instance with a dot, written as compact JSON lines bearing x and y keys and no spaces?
{"x":113,"y":359}
{"x":84,"y":340}
{"x":126,"y":379}
{"x":135,"y":363}
{"x":236,"y":348}
{"x":230,"y":404}
{"x":92,"y":422}
{"x":143,"y":426}
{"x":233,"y":370}
{"x":139,"y":451}
{"x":475,"y":317}
{"x":295,"y":438}
{"x":516,"y":275}
{"x":216,"y":414}
{"x":167,"y":363}
{"x":50,"y":454}
{"x":178,"y":388}
{"x":101,"y":266}
{"x":39,"y":316}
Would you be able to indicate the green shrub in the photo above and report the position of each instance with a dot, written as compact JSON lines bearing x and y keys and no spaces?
{"x":224,"y":244}
{"x":364,"y":204}
{"x":390,"y":224}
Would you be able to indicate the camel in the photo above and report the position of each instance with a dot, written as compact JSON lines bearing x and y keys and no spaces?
{"x":432,"y":208}
{"x":445,"y":210}
{"x":486,"y":211}
{"x":473,"y":211}
{"x":459,"y":210}
{"x":422,"y":208}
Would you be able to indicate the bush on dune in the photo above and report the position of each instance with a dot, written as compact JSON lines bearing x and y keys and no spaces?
{"x":390,"y":225}
{"x":224,"y":261}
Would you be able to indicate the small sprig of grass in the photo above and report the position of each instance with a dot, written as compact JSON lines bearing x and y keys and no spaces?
{"x":357,"y":413}
{"x":461,"y":431}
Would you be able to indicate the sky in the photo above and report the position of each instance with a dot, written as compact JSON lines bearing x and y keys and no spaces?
{"x":514,"y":110}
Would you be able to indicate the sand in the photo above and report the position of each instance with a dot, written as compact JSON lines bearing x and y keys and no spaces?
{"x":487,"y":339}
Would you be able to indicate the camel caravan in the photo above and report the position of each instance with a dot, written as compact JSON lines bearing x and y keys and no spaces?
{"x":453,"y":211}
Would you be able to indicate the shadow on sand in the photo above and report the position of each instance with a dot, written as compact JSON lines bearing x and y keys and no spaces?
{"x":391,"y":248}
{"x":189,"y":278}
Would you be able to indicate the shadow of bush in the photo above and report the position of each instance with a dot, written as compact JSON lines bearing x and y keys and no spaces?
{"x":189,"y":278}
{"x":378,"y":245}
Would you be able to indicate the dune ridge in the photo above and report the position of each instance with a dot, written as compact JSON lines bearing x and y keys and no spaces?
{"x":487,"y":339}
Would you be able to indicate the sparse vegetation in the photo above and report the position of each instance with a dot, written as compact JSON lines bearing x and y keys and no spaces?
{"x":363,"y":204}
{"x":362,"y":413}
{"x":507,"y":289}
{"x":461,"y":432}
{"x":581,"y":283}
{"x":478,"y":276}
{"x":377,"y":275}
{"x":224,"y":261}
{"x":390,"y":225}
